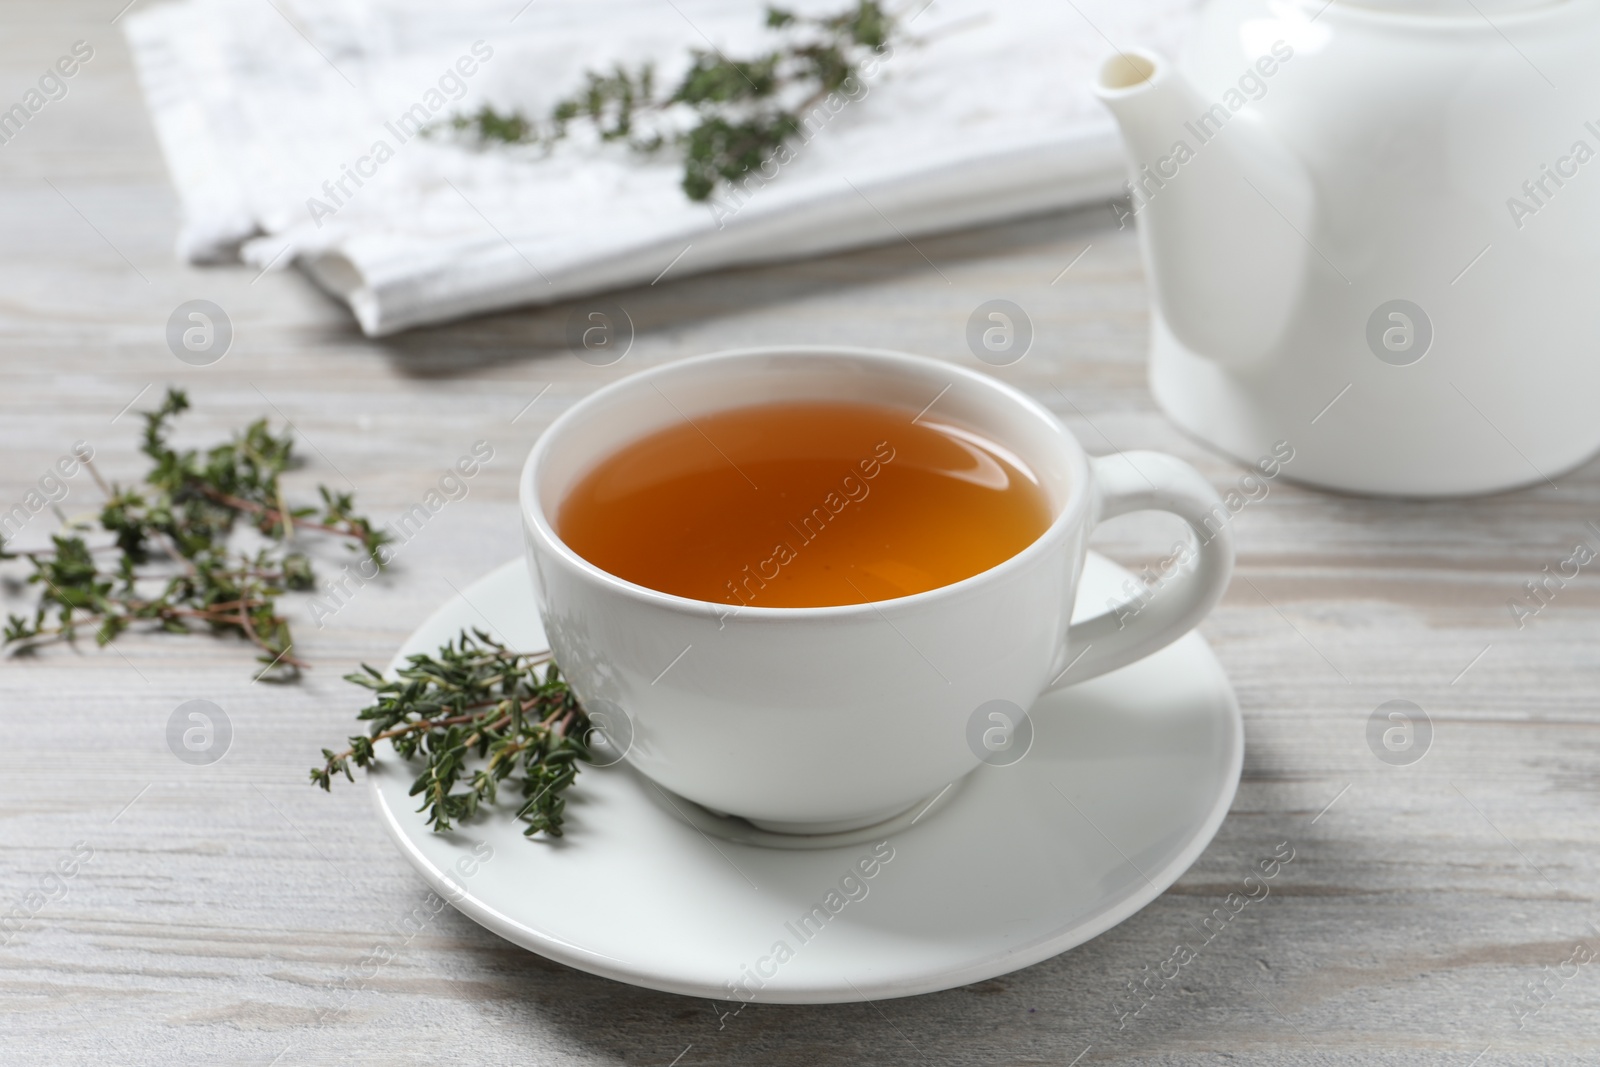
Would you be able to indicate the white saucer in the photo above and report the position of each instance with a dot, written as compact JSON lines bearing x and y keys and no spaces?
{"x":1129,"y":776}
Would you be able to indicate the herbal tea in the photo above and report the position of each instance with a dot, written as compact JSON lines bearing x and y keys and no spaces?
{"x":804,"y":505}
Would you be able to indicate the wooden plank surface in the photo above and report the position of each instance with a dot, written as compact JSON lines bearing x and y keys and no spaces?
{"x":225,"y":911}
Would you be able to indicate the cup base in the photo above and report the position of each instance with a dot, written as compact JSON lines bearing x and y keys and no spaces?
{"x":802,"y":835}
{"x":838,"y":827}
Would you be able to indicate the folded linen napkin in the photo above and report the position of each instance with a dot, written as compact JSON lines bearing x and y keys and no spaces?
{"x":294,"y":131}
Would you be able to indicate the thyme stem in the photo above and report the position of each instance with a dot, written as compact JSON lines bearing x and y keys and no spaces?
{"x":183,"y":514}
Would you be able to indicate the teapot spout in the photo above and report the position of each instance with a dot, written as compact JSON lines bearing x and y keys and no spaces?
{"x":1221,"y":209}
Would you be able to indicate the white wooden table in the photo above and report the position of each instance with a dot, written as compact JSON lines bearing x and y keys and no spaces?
{"x":225,"y":911}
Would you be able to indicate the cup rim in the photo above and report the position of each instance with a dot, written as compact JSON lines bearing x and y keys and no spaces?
{"x":1073,"y":512}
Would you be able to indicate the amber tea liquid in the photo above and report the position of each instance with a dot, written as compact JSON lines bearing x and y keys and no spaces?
{"x":804,"y":504}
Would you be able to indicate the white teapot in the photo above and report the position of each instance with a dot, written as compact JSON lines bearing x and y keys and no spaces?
{"x":1372,"y":231}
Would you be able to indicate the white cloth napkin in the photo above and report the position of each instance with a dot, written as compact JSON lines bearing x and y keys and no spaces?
{"x":264,"y":108}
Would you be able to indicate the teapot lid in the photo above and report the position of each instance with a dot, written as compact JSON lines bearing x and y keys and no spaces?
{"x":1456,"y":8}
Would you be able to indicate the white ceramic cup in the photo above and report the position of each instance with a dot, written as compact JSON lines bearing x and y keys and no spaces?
{"x":811,"y":720}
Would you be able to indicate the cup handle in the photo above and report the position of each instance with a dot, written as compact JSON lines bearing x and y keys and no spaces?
{"x":1151,"y":481}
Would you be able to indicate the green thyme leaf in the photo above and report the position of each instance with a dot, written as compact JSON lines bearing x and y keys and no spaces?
{"x":171,"y":563}
{"x":475,"y":716}
{"x":743,"y":110}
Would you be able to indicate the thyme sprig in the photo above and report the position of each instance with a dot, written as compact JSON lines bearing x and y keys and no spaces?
{"x":173,"y":564}
{"x":739,"y":112}
{"x":479,"y":716}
